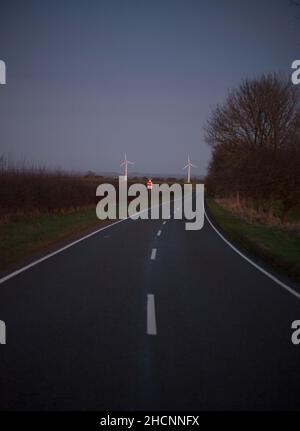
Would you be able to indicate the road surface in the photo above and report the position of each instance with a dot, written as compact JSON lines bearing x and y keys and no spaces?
{"x":147,"y":315}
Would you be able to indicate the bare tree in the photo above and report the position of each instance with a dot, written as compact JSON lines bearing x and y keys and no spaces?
{"x":255,"y":140}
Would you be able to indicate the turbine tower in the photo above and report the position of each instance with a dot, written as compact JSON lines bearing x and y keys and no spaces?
{"x":126,"y":163}
{"x":189,"y":166}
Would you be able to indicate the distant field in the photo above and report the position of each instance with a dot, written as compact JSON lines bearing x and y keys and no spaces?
{"x":279,"y":247}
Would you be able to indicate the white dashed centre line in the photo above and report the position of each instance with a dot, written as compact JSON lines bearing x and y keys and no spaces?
{"x":159,"y":233}
{"x":151,"y":319}
{"x":153,"y":254}
{"x":165,"y":222}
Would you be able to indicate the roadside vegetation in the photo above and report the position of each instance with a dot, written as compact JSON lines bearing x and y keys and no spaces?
{"x":253,"y":180}
{"x":24,"y":238}
{"x":41,"y":210}
{"x":29,"y":192}
{"x":276,"y":245}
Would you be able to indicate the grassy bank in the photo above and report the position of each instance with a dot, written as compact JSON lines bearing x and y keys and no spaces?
{"x":280,"y":248}
{"x":24,"y":239}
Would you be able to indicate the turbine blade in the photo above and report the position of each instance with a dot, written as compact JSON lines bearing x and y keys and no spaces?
{"x":186,"y":166}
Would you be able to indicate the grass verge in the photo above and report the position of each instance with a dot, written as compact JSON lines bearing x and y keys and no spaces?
{"x":23,"y":240}
{"x":279,"y":248}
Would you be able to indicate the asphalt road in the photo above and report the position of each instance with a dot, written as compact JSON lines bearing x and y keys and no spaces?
{"x":112,"y":324}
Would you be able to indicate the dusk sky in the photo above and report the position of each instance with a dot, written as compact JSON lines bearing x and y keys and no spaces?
{"x":89,"y":80}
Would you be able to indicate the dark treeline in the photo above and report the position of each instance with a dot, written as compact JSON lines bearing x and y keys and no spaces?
{"x":255,"y":140}
{"x":26,"y":193}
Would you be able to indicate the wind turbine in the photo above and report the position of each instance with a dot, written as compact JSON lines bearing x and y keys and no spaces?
{"x":189,"y":166}
{"x":126,"y":163}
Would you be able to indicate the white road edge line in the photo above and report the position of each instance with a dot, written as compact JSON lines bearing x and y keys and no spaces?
{"x":159,"y":232}
{"x":36,"y":262}
{"x":151,"y":319}
{"x":153,"y":254}
{"x":272,"y":277}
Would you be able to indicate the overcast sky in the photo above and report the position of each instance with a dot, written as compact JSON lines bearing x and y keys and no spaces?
{"x":89,"y":80}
